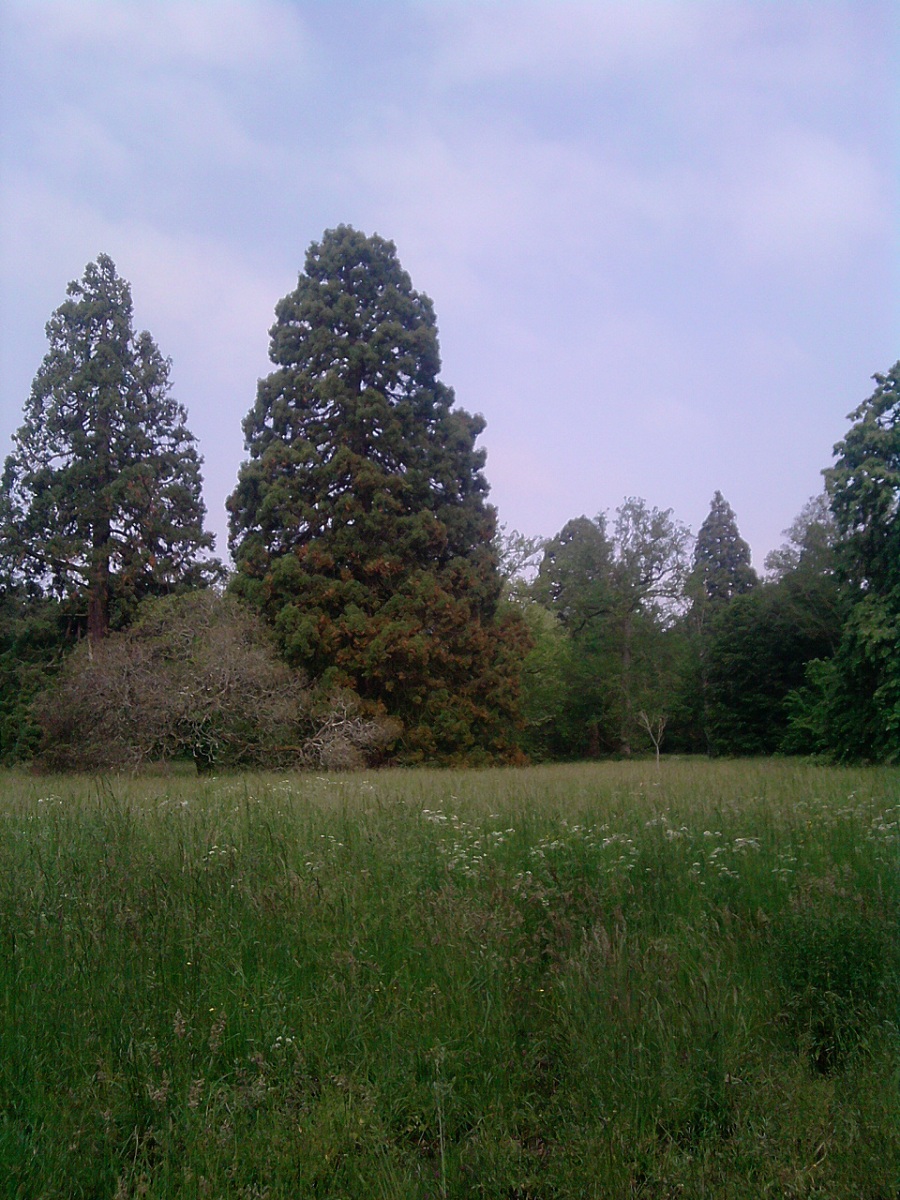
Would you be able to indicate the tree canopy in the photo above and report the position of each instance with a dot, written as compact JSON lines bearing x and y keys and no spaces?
{"x":850,"y":705}
{"x":615,"y":594}
{"x":100,"y":500}
{"x":360,"y":523}
{"x":864,"y":486}
{"x":406,"y":624}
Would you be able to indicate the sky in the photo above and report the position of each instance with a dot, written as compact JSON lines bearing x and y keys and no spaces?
{"x":661,"y":236}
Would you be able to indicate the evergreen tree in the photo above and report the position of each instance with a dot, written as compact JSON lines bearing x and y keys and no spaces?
{"x":721,"y":556}
{"x":100,"y":499}
{"x":360,"y":523}
{"x":756,"y":647}
{"x":721,"y":570}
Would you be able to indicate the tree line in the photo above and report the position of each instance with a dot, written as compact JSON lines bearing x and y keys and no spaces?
{"x":375,"y":612}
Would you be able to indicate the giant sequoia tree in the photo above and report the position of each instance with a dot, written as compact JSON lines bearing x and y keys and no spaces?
{"x":721,"y":556}
{"x":100,"y":499}
{"x":359,"y":523}
{"x":721,"y":570}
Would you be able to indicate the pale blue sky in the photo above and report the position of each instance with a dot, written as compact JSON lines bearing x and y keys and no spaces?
{"x":660,"y":237}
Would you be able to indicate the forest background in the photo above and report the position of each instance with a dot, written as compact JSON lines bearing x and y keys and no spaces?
{"x":662,"y":239}
{"x":375,"y":610}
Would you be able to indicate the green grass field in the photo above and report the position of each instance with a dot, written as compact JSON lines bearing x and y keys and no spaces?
{"x":575,"y":981}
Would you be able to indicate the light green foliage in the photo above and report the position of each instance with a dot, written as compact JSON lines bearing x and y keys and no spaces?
{"x":518,"y":560}
{"x":547,"y":671}
{"x":101,"y":496}
{"x":360,"y":523}
{"x":809,"y":543}
{"x":571,"y":981}
{"x":616,"y":595}
{"x":650,"y":558}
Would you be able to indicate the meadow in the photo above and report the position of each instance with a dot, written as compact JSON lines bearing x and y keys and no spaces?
{"x":525,"y":984}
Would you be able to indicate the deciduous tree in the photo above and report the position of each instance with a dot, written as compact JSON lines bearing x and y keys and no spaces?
{"x":850,"y":705}
{"x":616,"y":595}
{"x":864,"y":486}
{"x":196,"y":675}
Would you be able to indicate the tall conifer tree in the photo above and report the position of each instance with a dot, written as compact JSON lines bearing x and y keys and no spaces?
{"x":360,"y":523}
{"x":721,"y":556}
{"x":721,"y":570}
{"x":101,"y":497}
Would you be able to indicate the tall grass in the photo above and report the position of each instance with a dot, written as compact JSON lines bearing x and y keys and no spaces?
{"x":592,"y":981}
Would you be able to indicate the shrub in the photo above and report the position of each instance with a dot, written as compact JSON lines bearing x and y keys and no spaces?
{"x":196,"y":676}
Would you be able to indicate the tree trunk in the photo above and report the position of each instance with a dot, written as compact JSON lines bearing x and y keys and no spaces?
{"x":98,"y":597}
{"x":627,"y":706}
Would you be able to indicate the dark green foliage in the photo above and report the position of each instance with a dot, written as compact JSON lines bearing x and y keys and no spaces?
{"x":35,"y":636}
{"x":757,"y":650}
{"x":574,"y":585}
{"x":864,"y":486}
{"x":360,"y":525}
{"x":100,"y":502}
{"x":850,"y":707}
{"x":574,"y":579}
{"x":721,"y":570}
{"x":721,"y":556}
{"x":751,"y":651}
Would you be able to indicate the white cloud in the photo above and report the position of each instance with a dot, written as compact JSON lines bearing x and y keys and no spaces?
{"x":228,"y":33}
{"x":122,"y":92}
{"x":500,"y":40}
{"x":806,"y":198}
